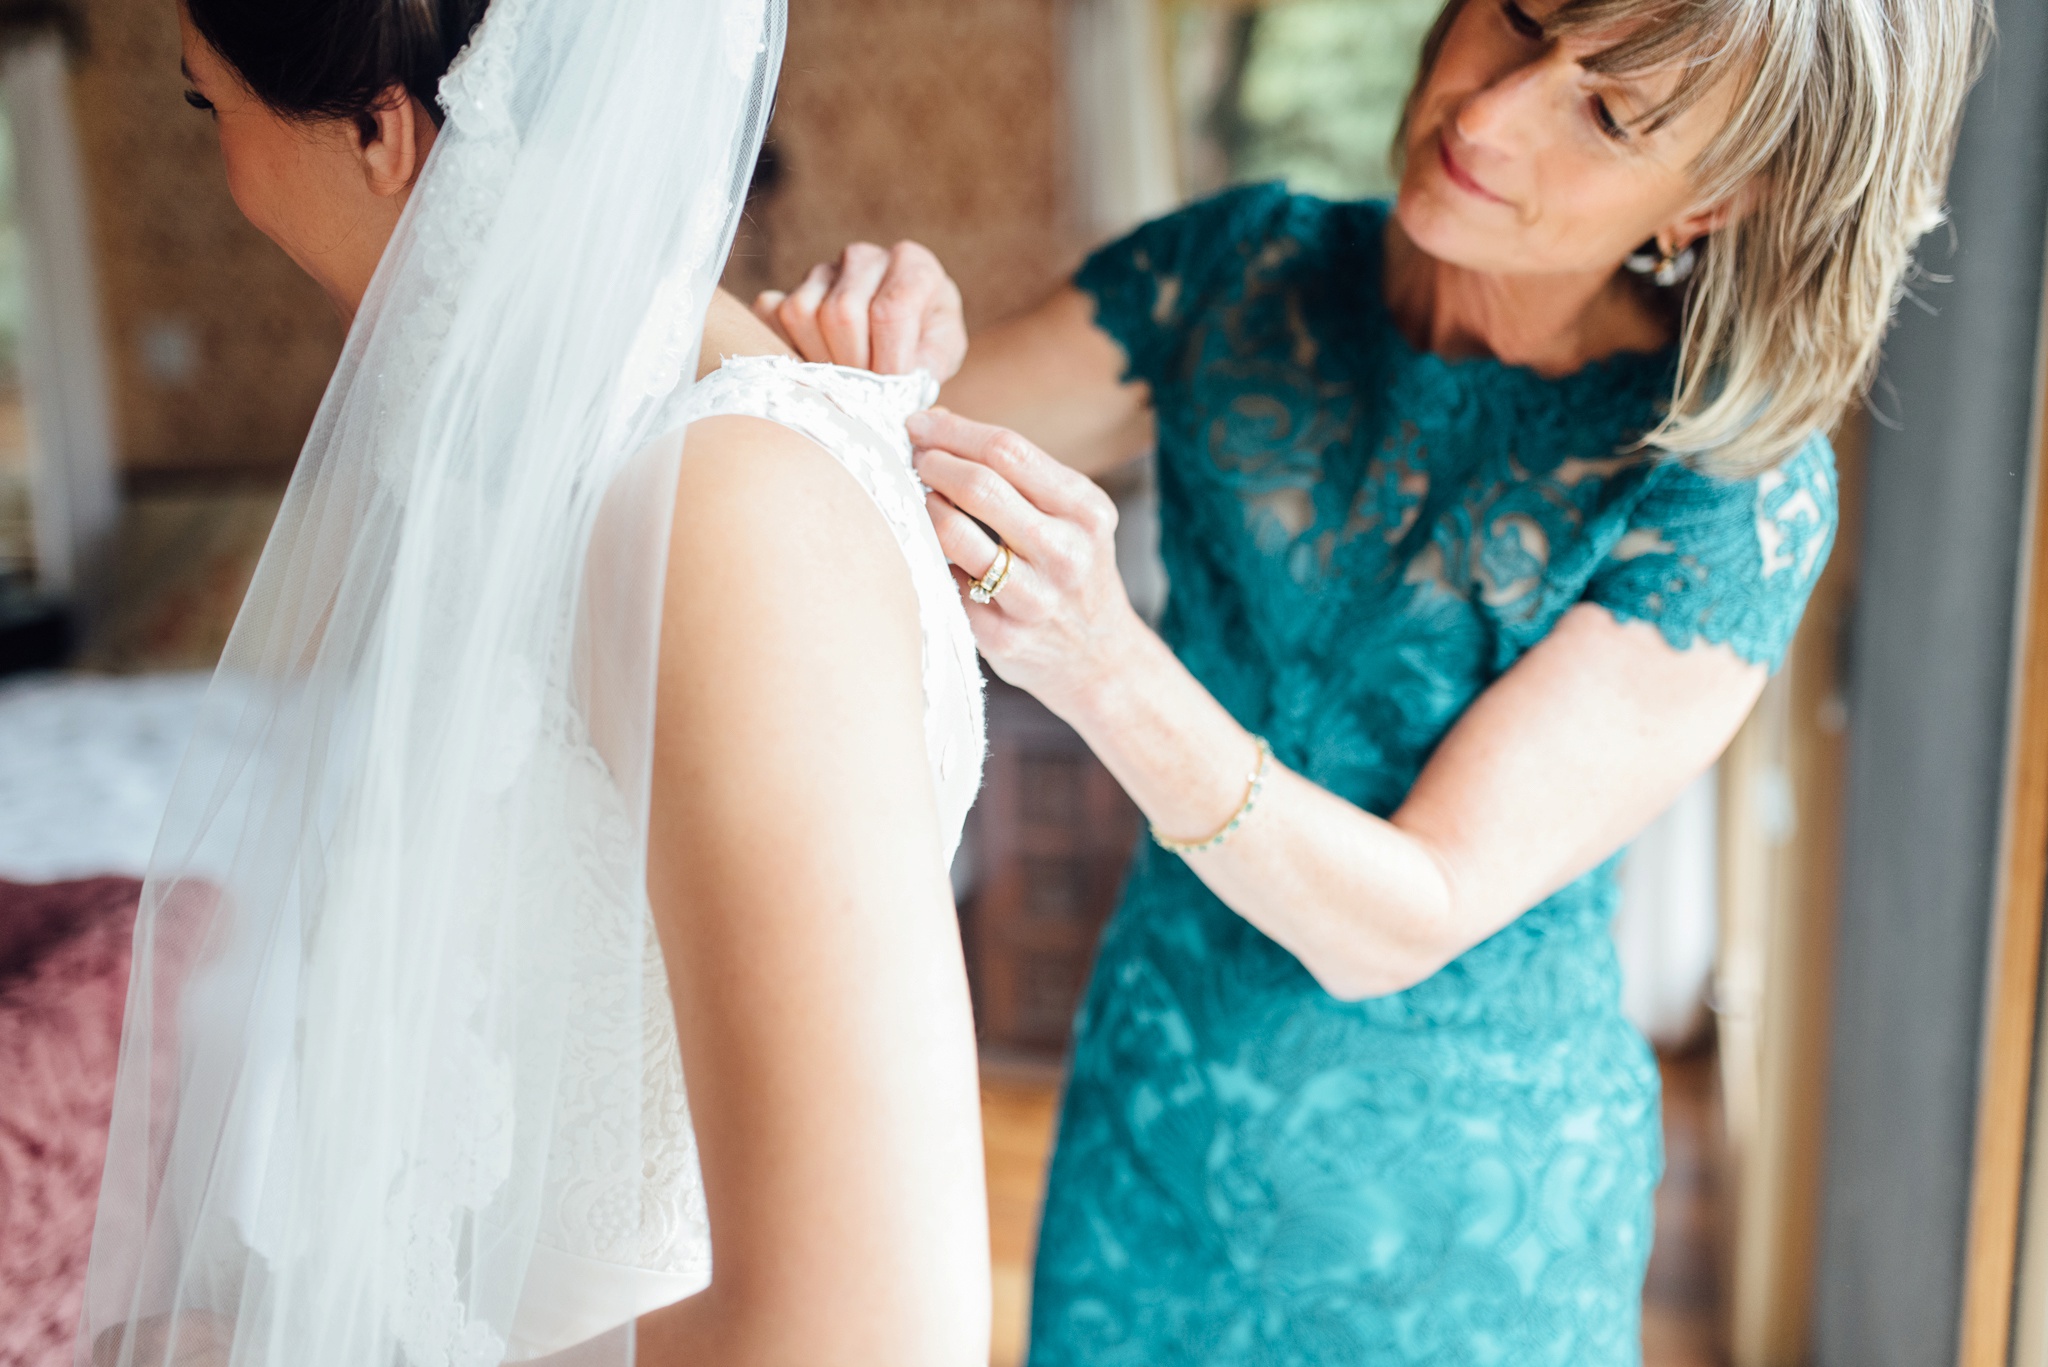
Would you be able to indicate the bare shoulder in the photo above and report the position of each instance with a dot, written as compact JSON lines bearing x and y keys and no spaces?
{"x":774,"y":539}
{"x":755,"y":488}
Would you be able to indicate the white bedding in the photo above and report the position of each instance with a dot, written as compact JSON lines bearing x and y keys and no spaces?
{"x":86,"y":764}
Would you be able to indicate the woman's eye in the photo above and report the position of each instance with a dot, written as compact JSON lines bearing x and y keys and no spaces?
{"x":1521,"y":22}
{"x":1604,"y":118}
{"x":198,"y":101}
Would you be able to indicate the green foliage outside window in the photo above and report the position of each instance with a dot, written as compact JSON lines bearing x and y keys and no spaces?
{"x":1311,"y":91}
{"x":13,"y":268}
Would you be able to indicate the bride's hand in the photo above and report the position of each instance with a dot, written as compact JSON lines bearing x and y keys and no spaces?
{"x":1060,"y":623}
{"x":891,"y":311}
{"x":189,"y":1338}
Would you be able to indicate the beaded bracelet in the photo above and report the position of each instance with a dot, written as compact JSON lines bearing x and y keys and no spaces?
{"x":1253,"y":787}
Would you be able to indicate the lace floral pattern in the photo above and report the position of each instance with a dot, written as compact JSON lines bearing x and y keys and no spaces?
{"x":1360,"y":539}
{"x":618,"y":1193}
{"x":458,"y":1170}
{"x":654,"y":367}
{"x":476,"y":158}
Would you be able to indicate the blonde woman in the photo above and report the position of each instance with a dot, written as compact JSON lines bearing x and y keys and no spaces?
{"x":1487,"y":515}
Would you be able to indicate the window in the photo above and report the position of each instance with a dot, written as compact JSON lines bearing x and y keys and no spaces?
{"x":17,"y":536}
{"x":1305,"y":91}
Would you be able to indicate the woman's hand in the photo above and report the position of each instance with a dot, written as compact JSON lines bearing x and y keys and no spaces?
{"x":1061,"y":623}
{"x":1050,"y":372}
{"x":891,"y":311}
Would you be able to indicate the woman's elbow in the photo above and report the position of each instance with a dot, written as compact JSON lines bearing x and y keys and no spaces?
{"x":1366,"y":966}
{"x":1353,"y":979}
{"x":1402,"y":943}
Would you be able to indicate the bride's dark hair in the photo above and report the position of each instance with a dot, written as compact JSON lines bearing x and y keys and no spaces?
{"x":333,"y":59}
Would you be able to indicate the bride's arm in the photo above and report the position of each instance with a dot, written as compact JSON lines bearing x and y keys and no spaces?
{"x":810,"y":936}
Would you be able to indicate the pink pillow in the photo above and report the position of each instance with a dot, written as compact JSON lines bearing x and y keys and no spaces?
{"x":60,"y":1036}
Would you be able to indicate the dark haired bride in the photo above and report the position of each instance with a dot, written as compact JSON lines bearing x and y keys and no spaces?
{"x":599,"y":727}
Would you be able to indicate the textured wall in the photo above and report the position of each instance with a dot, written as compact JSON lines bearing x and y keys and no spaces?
{"x":933,"y":119}
{"x":219,"y":347}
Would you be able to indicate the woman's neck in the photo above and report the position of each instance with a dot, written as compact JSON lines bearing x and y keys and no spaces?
{"x":1553,"y":324}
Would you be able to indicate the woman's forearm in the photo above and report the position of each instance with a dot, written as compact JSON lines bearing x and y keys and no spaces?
{"x":1365,"y":906}
{"x":1553,"y":767}
{"x":1055,"y":377}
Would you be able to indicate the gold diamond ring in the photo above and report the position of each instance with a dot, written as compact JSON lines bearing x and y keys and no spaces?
{"x":986,"y":588}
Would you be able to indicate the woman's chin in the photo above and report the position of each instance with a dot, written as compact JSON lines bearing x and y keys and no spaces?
{"x":1449,"y":225}
{"x":1430,"y":220}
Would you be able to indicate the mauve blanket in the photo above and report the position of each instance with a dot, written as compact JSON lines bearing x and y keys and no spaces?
{"x":64,"y":951}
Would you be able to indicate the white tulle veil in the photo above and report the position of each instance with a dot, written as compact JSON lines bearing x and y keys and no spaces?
{"x":378,"y":924}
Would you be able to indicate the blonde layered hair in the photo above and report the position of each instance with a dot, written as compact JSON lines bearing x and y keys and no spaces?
{"x":1844,"y":123}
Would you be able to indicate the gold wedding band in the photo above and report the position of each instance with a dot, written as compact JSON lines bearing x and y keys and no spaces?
{"x":989,"y":585}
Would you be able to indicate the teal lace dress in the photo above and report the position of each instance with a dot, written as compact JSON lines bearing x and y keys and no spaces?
{"x":1360,"y":538}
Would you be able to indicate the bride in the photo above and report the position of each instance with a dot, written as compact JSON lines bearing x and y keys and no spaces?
{"x":598,"y":726}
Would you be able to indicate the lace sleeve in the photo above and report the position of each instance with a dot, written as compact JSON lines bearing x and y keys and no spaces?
{"x":1153,"y":285}
{"x":1725,"y":562}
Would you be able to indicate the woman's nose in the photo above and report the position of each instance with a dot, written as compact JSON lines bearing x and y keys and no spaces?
{"x":1500,"y":115}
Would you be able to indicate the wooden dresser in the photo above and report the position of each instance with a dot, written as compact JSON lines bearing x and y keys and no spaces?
{"x":1052,"y":835}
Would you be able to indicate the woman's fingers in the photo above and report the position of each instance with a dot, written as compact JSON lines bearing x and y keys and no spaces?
{"x":768,"y":308}
{"x":1049,"y":485}
{"x":797,"y":314}
{"x":967,"y":545}
{"x":972,"y":553}
{"x":1060,"y":598}
{"x":891,"y":311}
{"x":987,"y":496}
{"x":915,"y":321}
{"x":843,"y":313}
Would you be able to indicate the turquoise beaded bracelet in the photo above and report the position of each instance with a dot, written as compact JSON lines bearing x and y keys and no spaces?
{"x":1253,"y":787}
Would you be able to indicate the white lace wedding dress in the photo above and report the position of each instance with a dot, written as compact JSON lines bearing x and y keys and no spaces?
{"x":615,"y":1242}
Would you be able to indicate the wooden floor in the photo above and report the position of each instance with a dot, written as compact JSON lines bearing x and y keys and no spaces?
{"x":1018,"y":1106}
{"x":1681,"y":1299}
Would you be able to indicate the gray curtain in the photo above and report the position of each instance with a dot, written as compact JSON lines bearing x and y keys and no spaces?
{"x":1929,"y":677}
